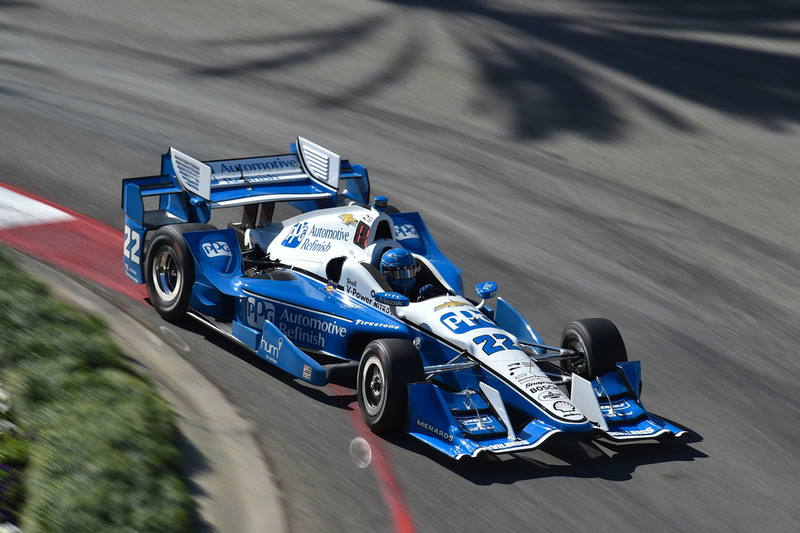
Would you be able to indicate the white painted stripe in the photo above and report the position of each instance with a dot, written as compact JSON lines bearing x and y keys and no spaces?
{"x":19,"y":210}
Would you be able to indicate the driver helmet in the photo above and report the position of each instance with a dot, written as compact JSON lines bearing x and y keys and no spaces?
{"x":400,"y":269}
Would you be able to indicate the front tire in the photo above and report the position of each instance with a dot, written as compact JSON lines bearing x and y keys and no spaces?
{"x":597,"y":344}
{"x":384,"y":372}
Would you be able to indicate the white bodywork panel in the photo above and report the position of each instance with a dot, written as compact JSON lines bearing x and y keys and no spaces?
{"x":309,"y":241}
{"x":456,"y":320}
{"x":585,"y":399}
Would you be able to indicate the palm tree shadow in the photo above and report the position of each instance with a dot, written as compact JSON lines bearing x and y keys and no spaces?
{"x":555,"y":71}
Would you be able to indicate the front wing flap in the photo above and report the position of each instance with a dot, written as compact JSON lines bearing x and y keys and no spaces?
{"x":612,"y":403}
{"x":464,"y":424}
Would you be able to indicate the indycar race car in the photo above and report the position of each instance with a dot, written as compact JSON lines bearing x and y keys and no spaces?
{"x":353,"y":286}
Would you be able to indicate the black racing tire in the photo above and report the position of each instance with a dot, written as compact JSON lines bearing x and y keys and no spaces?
{"x":598,"y":344}
{"x":384,"y":372}
{"x":169,"y":270}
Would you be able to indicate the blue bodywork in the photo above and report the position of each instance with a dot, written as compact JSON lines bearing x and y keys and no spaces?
{"x":311,"y":326}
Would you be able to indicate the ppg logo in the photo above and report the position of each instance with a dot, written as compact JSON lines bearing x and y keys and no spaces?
{"x":296,"y":235}
{"x":405,"y":231}
{"x":465,"y":320}
{"x":216,"y":249}
{"x":258,"y":311}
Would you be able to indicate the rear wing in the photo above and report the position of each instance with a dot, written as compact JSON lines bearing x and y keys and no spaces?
{"x":309,"y":177}
{"x":310,"y":172}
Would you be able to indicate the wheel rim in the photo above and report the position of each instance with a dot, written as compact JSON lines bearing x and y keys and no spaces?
{"x":578,"y":363}
{"x":373,"y":386}
{"x":167,"y":276}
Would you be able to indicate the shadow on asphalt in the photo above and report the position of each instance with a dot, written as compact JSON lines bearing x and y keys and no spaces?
{"x":339,"y":400}
{"x":195,"y":466}
{"x":561,"y":456}
{"x":539,"y":66}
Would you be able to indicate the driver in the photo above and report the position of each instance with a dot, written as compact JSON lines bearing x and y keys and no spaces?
{"x":400,"y":269}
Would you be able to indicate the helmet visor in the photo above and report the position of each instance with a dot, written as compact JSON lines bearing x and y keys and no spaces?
{"x":401,"y":272}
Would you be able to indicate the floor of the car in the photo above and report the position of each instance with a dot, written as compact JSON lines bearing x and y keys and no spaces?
{"x":226,"y":328}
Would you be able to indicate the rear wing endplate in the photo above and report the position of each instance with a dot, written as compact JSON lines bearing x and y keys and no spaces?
{"x":311,"y":172}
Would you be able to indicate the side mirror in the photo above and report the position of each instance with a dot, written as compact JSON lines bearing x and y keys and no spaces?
{"x":486,"y":290}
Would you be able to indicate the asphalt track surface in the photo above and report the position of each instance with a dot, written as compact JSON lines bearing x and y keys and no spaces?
{"x":634,"y":160}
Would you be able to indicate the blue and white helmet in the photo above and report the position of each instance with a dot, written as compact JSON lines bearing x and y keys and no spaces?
{"x":400,"y":269}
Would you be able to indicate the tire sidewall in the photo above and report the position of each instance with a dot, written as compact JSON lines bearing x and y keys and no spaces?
{"x":600,"y":341}
{"x":371,"y":363}
{"x":170,"y":241}
{"x":398,"y":363}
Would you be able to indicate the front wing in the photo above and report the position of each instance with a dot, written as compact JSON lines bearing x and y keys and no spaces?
{"x":467,"y":423}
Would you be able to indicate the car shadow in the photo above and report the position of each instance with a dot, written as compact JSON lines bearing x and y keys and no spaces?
{"x":562,"y":456}
{"x":341,"y":396}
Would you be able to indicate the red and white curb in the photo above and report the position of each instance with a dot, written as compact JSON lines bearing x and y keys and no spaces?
{"x":64,"y":239}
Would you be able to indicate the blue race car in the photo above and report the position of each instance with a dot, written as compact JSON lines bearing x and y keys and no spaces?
{"x":352,"y":286}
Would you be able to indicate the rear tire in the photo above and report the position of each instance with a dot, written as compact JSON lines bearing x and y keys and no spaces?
{"x":598,"y":346}
{"x":169,"y":270}
{"x":384,"y":372}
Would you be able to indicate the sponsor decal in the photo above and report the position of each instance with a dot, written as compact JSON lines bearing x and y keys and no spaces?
{"x":405,"y":231}
{"x":360,"y":322}
{"x":297,"y":326}
{"x":299,"y":335}
{"x":348,"y":219}
{"x":296,"y":235}
{"x":645,"y":431}
{"x":271,"y":351}
{"x":551,"y":395}
{"x":474,"y":420}
{"x":351,"y":288}
{"x":489,"y":286}
{"x":508,"y":444}
{"x":620,"y":409}
{"x":330,"y":234}
{"x":474,"y":424}
{"x":315,"y":246}
{"x":451,"y":303}
{"x":564,"y":407}
{"x":436,"y":431}
{"x":258,"y":311}
{"x":306,"y":372}
{"x":540,"y":386}
{"x":308,"y":330}
{"x":465,"y":320}
{"x":130,"y":272}
{"x":534,"y":383}
{"x":235,"y":170}
{"x":216,"y":249}
{"x":513,"y":367}
{"x":314,"y":238}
